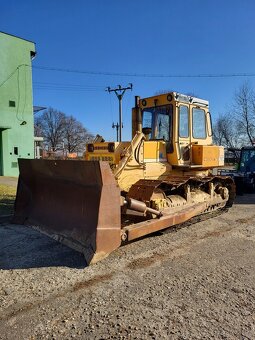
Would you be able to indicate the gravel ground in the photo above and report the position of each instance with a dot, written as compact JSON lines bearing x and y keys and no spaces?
{"x":198,"y":282}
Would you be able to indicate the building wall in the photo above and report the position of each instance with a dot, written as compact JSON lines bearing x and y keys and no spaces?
{"x":16,"y":109}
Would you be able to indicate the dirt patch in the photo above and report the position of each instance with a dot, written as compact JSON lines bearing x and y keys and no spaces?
{"x":9,"y":181}
{"x":245,"y":220}
{"x":142,"y":262}
{"x":16,"y":310}
{"x":216,"y":233}
{"x":92,"y":282}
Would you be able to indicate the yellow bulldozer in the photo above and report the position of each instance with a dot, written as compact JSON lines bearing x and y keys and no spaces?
{"x":123,"y":191}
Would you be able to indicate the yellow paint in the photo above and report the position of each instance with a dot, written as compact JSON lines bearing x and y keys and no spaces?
{"x":101,"y":157}
{"x":101,"y":152}
{"x":159,"y":100}
{"x":154,"y":151}
{"x":157,"y":170}
{"x":207,"y":155}
{"x":172,"y":158}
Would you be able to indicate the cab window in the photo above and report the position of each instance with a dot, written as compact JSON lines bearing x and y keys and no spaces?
{"x":147,"y":120}
{"x":198,"y":123}
{"x":159,"y":120}
{"x":183,"y":121}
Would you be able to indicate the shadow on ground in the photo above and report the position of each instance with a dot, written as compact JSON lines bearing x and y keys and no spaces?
{"x":245,"y":199}
{"x":6,"y":206}
{"x":22,"y":248}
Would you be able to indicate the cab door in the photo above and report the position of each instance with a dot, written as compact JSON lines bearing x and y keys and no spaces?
{"x":184,"y":137}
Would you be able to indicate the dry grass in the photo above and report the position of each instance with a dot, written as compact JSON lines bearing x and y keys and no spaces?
{"x":7,"y":198}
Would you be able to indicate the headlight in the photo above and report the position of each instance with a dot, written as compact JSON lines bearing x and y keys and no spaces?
{"x":111,"y":147}
{"x":90,"y":147}
{"x":169,"y":97}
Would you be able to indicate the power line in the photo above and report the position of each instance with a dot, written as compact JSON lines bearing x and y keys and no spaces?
{"x":148,"y":75}
{"x":141,"y":75}
{"x":12,"y":73}
{"x":66,"y":89}
{"x":69,"y":85}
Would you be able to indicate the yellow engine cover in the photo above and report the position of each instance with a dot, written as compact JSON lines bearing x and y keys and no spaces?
{"x":208,"y":155}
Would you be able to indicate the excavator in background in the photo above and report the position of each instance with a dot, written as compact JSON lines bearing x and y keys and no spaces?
{"x":123,"y":191}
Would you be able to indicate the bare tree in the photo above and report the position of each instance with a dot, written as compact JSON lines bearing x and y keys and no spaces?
{"x":50,"y":125}
{"x":244,"y":112}
{"x":75,"y":135}
{"x":237,"y":128}
{"x":225,"y":132}
{"x":38,"y":129}
{"x":218,"y":131}
{"x":61,"y":132}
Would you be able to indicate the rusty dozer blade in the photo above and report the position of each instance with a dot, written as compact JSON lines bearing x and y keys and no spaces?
{"x":74,"y":202}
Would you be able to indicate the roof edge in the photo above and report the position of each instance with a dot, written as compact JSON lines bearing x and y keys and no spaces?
{"x":15,"y":36}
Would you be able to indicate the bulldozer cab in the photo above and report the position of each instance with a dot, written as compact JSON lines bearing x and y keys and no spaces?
{"x":177,"y":133}
{"x":183,"y":124}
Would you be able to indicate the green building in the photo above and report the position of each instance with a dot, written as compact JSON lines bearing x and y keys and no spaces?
{"x":16,"y":108}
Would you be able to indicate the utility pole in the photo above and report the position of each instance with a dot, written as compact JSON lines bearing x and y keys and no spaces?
{"x":116,"y":126}
{"x":119,"y":91}
{"x":117,"y":129}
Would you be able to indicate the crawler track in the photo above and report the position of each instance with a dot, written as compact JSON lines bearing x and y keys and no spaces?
{"x":143,"y":189}
{"x":135,"y":226}
{"x":203,"y":217}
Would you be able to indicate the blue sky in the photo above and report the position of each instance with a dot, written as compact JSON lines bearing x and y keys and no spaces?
{"x":187,"y":37}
